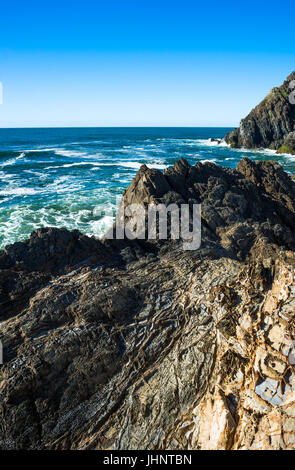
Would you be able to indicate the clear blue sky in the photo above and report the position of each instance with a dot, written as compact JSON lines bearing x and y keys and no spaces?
{"x":141,"y":63}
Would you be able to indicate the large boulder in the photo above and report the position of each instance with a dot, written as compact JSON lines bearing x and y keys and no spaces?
{"x":138,"y":344}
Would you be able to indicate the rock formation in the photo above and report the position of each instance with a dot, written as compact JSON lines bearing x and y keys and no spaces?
{"x":271,"y":124}
{"x":120,"y":344}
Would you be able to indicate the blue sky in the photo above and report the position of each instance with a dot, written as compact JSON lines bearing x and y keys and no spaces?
{"x":144,"y":63}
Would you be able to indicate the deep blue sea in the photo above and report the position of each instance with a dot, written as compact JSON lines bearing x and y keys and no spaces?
{"x":65,"y":177}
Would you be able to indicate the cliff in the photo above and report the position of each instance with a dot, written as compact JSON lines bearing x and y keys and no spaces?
{"x":270,"y":125}
{"x":140,"y":345}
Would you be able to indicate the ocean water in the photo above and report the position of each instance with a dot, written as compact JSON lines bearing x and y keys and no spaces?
{"x":68,"y":177}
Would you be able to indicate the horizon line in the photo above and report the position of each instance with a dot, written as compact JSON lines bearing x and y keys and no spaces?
{"x":117,"y":127}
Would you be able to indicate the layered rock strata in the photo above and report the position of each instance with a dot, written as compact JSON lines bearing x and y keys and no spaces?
{"x":120,"y":344}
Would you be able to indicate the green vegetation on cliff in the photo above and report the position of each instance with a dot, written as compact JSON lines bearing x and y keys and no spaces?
{"x":286,"y":149}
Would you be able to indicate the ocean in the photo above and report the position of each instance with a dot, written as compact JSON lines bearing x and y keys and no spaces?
{"x":68,"y":177}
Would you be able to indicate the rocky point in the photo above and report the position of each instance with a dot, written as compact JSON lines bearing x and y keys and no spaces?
{"x":271,"y":124}
{"x":120,"y":344}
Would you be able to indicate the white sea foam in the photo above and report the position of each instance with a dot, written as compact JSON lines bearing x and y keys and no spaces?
{"x":62,"y":151}
{"x":209,"y":143}
{"x":289,"y":157}
{"x":41,"y":149}
{"x":137,"y":165}
{"x":100,"y":227}
{"x":41,"y":176}
{"x":12,"y":161}
{"x":127,"y":164}
{"x":69,"y":165}
{"x":211,"y":160}
{"x":70,"y":153}
{"x":6,"y":176}
{"x":18,"y":192}
{"x":86,"y":142}
{"x":2,"y":201}
{"x":258,"y":151}
{"x":266,"y":151}
{"x":64,"y":184}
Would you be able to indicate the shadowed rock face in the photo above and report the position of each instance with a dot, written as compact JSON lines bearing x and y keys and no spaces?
{"x":270,"y":125}
{"x":141,"y":345}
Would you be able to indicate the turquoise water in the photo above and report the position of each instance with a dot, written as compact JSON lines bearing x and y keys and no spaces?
{"x":66,"y":177}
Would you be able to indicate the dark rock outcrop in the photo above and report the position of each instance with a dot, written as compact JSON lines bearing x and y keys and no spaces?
{"x":121,"y":344}
{"x":270,"y":125}
{"x":27,"y":266}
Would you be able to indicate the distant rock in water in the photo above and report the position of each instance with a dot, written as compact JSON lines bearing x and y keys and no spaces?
{"x":216,"y":141}
{"x":138,"y":344}
{"x":270,"y":125}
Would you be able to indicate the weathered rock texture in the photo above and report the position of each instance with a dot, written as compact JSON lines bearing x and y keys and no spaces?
{"x":270,"y":125}
{"x":141,"y":345}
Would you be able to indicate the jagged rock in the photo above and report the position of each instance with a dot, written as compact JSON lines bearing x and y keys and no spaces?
{"x":26,"y":266}
{"x":121,"y":344}
{"x":49,"y":250}
{"x":270,"y":125}
{"x":217,"y":141}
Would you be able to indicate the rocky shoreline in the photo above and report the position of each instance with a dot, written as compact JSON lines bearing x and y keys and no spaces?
{"x":140,"y":345}
{"x":271,"y":124}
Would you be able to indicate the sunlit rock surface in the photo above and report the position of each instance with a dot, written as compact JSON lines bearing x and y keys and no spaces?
{"x":141,"y":345}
